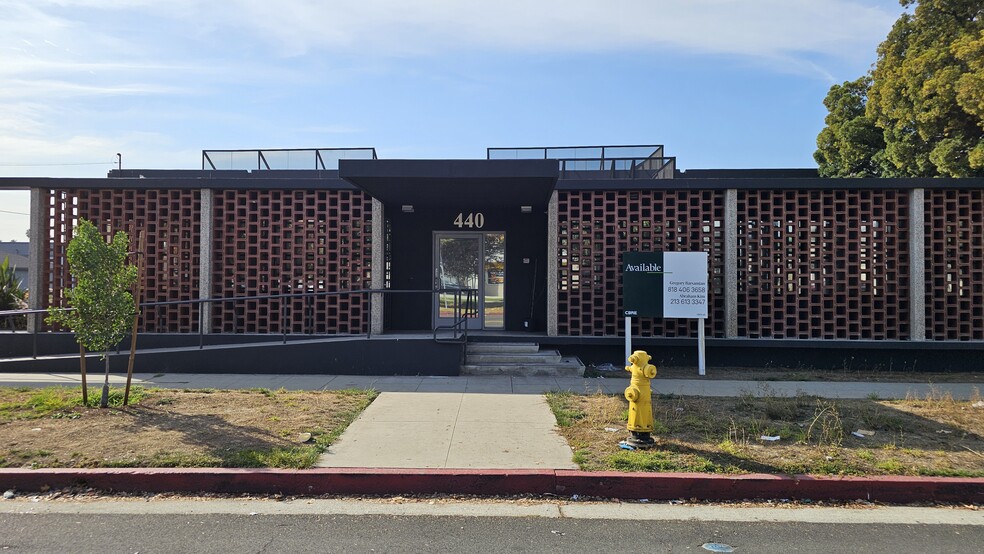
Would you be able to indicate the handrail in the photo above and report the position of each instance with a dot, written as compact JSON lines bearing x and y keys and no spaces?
{"x":462,"y":311}
{"x":11,"y":314}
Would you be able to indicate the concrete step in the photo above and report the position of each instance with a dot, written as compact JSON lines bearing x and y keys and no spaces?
{"x":569,"y":366}
{"x":543,"y":357}
{"x":502,"y":348}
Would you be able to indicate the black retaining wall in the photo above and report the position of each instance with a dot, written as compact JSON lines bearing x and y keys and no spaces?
{"x":356,"y":356}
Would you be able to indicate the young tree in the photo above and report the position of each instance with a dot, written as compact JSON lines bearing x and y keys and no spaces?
{"x":101,"y":303}
{"x":925,"y":95}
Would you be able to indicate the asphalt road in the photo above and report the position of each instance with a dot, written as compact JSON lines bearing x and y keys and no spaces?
{"x":207,"y":526}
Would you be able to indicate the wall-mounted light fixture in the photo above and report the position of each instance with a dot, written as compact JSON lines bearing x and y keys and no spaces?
{"x":408,"y":208}
{"x":526,"y":209}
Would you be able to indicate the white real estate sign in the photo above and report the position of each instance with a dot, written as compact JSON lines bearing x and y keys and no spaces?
{"x":685,"y":285}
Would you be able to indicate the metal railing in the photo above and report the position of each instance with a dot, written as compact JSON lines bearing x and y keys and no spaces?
{"x":464,"y":307}
{"x":597,"y":162}
{"x":463,"y":311}
{"x":283,"y":158}
{"x":618,"y":168}
{"x":12,"y":315}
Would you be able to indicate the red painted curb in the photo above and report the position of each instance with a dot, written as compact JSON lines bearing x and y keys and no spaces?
{"x":668,"y":486}
{"x":499,"y":482}
{"x":286,"y":481}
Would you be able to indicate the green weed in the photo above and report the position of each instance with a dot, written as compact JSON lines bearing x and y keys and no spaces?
{"x":891,"y":466}
{"x":730,"y":447}
{"x":295,"y":457}
{"x":581,"y":457}
{"x":660,"y":461}
{"x":561,"y":404}
{"x":38,"y":403}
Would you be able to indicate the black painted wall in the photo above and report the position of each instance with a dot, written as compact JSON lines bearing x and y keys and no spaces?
{"x":413,"y":251}
{"x":355,"y":356}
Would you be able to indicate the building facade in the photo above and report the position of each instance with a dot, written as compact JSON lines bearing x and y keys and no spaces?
{"x":331,"y":242}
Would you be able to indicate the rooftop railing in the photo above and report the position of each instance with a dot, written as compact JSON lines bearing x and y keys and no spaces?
{"x":283,"y":158}
{"x":597,"y":162}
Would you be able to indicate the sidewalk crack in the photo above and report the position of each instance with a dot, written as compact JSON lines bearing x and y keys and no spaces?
{"x":454,"y":429}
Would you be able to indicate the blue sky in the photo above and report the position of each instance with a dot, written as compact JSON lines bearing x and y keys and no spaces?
{"x":721,"y":83}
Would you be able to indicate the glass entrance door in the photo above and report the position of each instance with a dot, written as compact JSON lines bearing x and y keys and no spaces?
{"x":474,"y":261}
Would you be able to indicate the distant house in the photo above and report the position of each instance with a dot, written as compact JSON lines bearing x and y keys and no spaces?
{"x":17,"y":252}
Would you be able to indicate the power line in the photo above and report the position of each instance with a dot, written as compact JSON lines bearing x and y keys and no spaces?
{"x":53,"y":165}
{"x":15,"y":213}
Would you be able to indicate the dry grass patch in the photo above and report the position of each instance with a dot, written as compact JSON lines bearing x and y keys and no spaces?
{"x":173,"y":428}
{"x":917,"y":436}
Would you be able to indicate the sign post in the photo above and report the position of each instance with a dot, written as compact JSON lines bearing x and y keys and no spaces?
{"x":665,"y":284}
{"x":700,"y":348}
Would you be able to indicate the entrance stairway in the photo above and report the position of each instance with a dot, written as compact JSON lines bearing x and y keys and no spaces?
{"x":518,"y":359}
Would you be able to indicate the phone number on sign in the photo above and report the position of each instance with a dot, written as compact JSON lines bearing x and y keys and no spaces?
{"x":696,"y":301}
{"x":697,"y":290}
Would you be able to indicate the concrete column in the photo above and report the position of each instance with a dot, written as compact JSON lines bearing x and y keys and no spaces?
{"x":731,"y":263}
{"x":552,"y":240}
{"x":378,"y":280}
{"x":917,"y":265}
{"x":205,"y":258}
{"x":37,"y":299}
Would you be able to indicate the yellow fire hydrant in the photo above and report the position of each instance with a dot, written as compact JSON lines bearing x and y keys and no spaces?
{"x":639,"y":395}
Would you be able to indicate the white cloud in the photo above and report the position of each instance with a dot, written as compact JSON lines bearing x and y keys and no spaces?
{"x":59,"y":57}
{"x":768,"y":28}
{"x":52,"y":89}
{"x":125,"y":47}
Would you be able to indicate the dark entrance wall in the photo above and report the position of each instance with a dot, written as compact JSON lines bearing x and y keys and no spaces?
{"x":411,"y":244}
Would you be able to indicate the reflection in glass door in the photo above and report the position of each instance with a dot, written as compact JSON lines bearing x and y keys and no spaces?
{"x":457,"y":267}
{"x":471,"y":261}
{"x":494,"y":295}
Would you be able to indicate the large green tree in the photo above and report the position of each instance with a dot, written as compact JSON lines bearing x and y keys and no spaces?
{"x":925,"y":97}
{"x":851,"y":145}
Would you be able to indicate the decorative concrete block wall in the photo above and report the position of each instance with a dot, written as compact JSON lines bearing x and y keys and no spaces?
{"x":823,"y":264}
{"x":872,"y":262}
{"x":954,"y":252}
{"x":269,"y":242}
{"x":169,"y":220}
{"x":595,"y":227}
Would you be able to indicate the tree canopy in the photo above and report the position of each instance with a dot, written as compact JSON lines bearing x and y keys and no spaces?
{"x":101,"y":302}
{"x":920,"y":111}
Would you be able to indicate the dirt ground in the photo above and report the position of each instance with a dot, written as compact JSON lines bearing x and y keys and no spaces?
{"x":918,"y":436}
{"x":262,"y":428}
{"x":173,"y":428}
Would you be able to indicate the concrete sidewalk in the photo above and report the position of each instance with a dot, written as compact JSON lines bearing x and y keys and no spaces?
{"x":502,"y":384}
{"x":452,"y":430}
